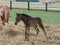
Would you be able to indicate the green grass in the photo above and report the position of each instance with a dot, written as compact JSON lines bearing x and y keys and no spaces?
{"x":47,"y":17}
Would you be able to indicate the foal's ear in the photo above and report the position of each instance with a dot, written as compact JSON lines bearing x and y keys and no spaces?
{"x":16,"y":14}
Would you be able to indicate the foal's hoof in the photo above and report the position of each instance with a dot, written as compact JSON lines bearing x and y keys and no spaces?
{"x":36,"y":35}
{"x":26,"y":39}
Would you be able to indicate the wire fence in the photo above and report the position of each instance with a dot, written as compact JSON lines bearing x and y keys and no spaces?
{"x":32,"y":5}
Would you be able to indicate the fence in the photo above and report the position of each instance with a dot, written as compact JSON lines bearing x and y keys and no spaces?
{"x":32,"y":5}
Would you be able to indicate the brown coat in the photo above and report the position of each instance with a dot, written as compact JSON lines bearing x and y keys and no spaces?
{"x":4,"y":14}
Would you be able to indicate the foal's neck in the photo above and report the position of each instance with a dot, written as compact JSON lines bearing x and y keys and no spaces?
{"x":24,"y":19}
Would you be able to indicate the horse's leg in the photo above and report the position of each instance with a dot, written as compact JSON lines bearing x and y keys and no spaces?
{"x":6,"y":17}
{"x":4,"y":21}
{"x":37,"y":29}
{"x":2,"y":18}
{"x":42,"y":27}
{"x":27,"y":32}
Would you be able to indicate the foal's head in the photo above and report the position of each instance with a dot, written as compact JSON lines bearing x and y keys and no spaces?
{"x":22,"y":17}
{"x":18,"y":18}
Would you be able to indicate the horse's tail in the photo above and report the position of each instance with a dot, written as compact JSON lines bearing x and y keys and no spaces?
{"x":41,"y":26}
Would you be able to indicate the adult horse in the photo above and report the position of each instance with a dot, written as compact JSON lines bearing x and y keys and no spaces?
{"x":30,"y":22}
{"x":4,"y":13}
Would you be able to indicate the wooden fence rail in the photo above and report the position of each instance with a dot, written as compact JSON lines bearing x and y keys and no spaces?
{"x":32,"y":5}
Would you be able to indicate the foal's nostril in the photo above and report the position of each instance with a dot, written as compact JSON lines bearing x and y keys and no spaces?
{"x":15,"y":23}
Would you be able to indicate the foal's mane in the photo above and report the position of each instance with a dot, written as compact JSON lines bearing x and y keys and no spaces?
{"x":25,"y":15}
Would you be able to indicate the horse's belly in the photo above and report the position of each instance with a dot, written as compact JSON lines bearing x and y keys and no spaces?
{"x":33,"y":24}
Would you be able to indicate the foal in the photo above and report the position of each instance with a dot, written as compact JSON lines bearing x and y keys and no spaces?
{"x":30,"y":22}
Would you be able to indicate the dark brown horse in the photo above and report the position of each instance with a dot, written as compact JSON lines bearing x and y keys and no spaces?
{"x":4,"y":13}
{"x":30,"y":22}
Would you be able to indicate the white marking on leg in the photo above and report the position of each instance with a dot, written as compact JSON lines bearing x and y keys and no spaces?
{"x":6,"y":24}
{"x":1,"y":12}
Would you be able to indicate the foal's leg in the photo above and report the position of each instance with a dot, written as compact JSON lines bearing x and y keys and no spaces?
{"x":37,"y":29}
{"x":27,"y":33}
{"x":42,"y":27}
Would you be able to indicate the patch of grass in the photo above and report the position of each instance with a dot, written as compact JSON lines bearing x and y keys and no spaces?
{"x":47,"y":17}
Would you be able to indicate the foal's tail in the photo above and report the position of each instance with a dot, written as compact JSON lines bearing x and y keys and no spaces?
{"x":41,"y":26}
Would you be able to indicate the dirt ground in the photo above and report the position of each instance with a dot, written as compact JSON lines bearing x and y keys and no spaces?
{"x":14,"y":35}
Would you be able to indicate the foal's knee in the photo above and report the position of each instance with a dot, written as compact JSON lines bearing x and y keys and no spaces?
{"x":36,"y":28}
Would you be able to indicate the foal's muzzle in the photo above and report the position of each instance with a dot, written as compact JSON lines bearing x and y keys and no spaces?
{"x":15,"y":23}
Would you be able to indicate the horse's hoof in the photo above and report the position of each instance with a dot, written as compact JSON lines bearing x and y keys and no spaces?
{"x":36,"y":35}
{"x":26,"y":39}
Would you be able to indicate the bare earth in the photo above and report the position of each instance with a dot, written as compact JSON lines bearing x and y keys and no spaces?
{"x":14,"y":35}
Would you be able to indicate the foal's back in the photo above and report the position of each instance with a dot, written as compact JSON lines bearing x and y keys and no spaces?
{"x":25,"y":15}
{"x":32,"y":21}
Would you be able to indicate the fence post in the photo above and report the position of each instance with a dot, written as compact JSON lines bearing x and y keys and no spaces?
{"x":28,"y":5}
{"x":46,"y":7}
{"x":10,"y":5}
